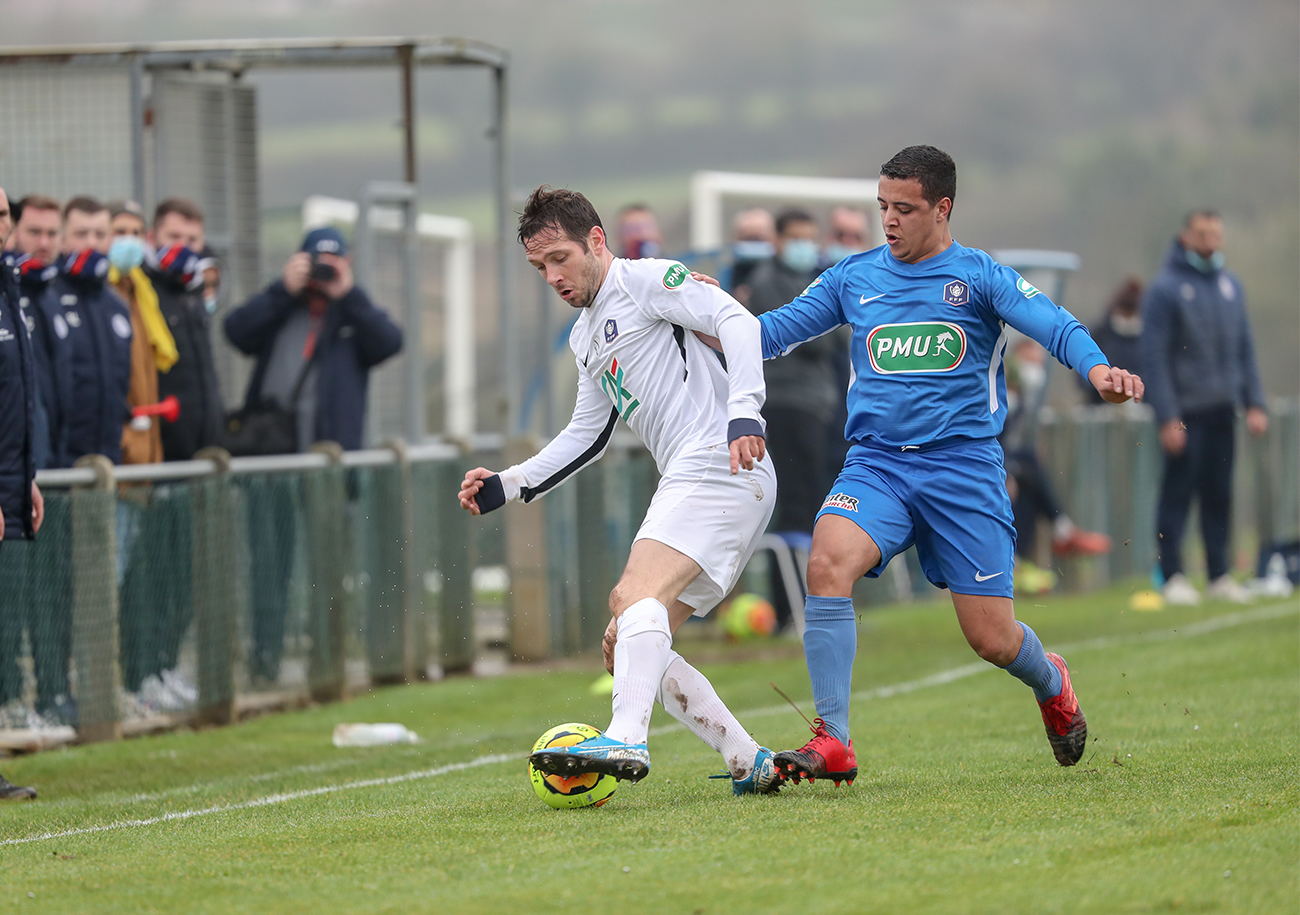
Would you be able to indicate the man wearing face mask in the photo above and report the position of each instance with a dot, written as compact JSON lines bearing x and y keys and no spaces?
{"x":33,"y":251}
{"x":801,"y":389}
{"x":803,"y":393}
{"x":755,"y":242}
{"x":153,"y":349}
{"x":176,"y":267}
{"x":99,"y":334}
{"x":1199,"y":359}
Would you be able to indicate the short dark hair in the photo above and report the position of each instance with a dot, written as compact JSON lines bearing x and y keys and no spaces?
{"x":932,"y":167}
{"x":35,"y":203}
{"x":1200,"y":214}
{"x":181,"y":206}
{"x":88,"y":205}
{"x":793,"y":214}
{"x":558,"y":208}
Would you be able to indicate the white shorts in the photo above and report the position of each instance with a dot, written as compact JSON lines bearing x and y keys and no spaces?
{"x":715,"y":518}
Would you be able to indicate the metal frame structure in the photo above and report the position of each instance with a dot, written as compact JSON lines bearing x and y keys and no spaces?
{"x":407,"y":54}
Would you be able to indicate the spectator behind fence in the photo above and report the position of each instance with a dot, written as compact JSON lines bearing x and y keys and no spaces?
{"x":99,"y":334}
{"x":33,"y":249}
{"x":638,"y":232}
{"x":1119,"y":333}
{"x":802,"y":390}
{"x":753,"y":241}
{"x":848,"y":234}
{"x":315,"y":336}
{"x":1033,"y":497}
{"x":153,"y":349}
{"x":1200,"y":367}
{"x":21,"y":507}
{"x":176,"y":269}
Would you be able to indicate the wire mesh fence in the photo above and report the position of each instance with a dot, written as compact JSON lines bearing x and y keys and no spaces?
{"x":204,"y":590}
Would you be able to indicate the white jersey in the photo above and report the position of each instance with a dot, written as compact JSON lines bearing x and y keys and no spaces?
{"x":639,"y":361}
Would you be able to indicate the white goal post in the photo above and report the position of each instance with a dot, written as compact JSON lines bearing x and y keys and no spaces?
{"x":708,"y":189}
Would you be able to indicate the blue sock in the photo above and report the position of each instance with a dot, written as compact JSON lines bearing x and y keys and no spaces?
{"x":1032,"y":668}
{"x":830,"y":641}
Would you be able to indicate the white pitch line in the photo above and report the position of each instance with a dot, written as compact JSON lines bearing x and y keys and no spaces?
{"x":1214,"y":624}
{"x":274,"y":799}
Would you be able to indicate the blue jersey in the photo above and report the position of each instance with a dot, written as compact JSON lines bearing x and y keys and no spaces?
{"x":928,"y":341}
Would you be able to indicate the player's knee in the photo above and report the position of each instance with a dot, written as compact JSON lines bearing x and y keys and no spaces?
{"x":827,"y":576}
{"x":623,"y":596}
{"x":997,"y":648}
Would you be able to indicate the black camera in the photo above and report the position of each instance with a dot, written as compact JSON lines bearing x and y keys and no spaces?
{"x":322,"y":273}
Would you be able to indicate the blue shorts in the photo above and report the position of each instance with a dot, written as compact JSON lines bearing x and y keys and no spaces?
{"x":951,"y":502}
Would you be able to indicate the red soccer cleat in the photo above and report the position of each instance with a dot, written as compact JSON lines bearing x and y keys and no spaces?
{"x":1067,"y":729}
{"x":824,"y":756}
{"x":1081,"y":543}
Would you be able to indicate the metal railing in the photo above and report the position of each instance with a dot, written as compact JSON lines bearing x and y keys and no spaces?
{"x":200,"y":590}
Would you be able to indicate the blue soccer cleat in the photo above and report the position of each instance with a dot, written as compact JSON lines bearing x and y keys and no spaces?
{"x":626,"y":761}
{"x":762,"y":777}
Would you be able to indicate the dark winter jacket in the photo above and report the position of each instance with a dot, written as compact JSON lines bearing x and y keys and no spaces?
{"x":193,"y":379}
{"x":1197,"y":352}
{"x":807,"y":379}
{"x":49,"y":333}
{"x":17,"y":413}
{"x":354,"y":337}
{"x":99,"y":358}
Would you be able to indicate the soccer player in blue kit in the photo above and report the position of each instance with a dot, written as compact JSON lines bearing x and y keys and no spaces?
{"x":926,"y":403}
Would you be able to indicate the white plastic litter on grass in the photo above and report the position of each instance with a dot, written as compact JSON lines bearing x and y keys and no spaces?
{"x":372,"y":735}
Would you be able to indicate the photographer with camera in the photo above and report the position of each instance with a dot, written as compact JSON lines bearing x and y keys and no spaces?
{"x":315,"y":335}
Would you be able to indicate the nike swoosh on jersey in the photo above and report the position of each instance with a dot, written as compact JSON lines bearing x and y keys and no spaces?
{"x":864,"y":300}
{"x":979,"y":577}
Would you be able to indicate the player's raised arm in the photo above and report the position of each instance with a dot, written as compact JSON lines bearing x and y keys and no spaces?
{"x":1025,"y":308}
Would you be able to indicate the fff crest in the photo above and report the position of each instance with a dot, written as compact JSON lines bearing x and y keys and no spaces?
{"x":956,"y":293}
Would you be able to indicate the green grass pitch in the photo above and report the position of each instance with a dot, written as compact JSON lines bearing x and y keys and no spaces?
{"x":1187,"y":798}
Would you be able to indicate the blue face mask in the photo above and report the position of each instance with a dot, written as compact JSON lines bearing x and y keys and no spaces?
{"x":835,"y":252}
{"x":1205,"y":265}
{"x":800,"y":254}
{"x":126,"y":252}
{"x":752,"y":249}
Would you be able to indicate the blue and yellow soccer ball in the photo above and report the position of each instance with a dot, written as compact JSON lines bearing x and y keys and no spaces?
{"x":589,"y":790}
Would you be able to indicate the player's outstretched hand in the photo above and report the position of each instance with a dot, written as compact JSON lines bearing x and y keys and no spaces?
{"x":469,"y":488}
{"x":1116,"y":385}
{"x":705,"y":278}
{"x":746,"y":450}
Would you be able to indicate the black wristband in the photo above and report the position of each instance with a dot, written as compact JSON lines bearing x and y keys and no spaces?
{"x":738,"y":427}
{"x":492,"y":496}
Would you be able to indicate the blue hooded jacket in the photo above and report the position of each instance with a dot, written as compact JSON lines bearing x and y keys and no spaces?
{"x":1197,"y":351}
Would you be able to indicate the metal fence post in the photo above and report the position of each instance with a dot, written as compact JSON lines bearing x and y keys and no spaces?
{"x":215,"y":590}
{"x":595,"y":572}
{"x":530,"y":614}
{"x":323,"y":505}
{"x":96,"y":641}
{"x":415,"y":642}
{"x":454,"y":557}
{"x":388,"y":624}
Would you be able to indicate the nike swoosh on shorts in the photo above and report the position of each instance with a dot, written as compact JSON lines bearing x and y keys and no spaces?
{"x":979,"y":577}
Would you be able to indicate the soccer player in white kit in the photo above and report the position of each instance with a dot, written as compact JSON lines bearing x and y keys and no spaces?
{"x":639,"y":361}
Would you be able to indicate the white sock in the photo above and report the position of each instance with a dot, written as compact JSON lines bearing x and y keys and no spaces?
{"x":640,"y":657}
{"x":689,"y":697}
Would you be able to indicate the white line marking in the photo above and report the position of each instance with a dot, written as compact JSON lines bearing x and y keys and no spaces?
{"x":1214,"y":624}
{"x":276,"y":798}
